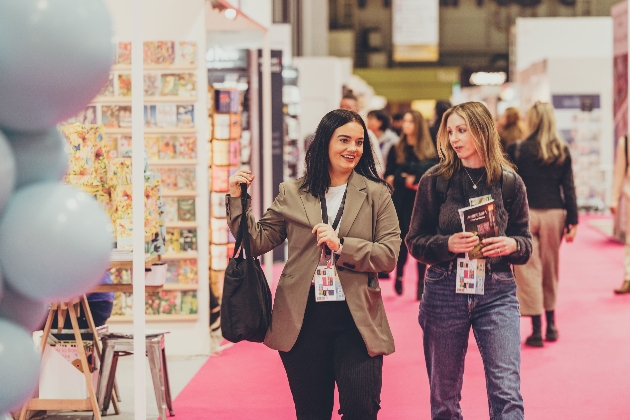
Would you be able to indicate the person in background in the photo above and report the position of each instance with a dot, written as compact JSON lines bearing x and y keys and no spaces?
{"x":472,"y":163}
{"x":544,"y":162}
{"x":441,"y":107}
{"x":412,"y":156}
{"x":340,"y":206}
{"x":397,"y":120}
{"x":621,"y":190}
{"x":351,"y":103}
{"x":378,"y":122}
{"x":510,"y":126}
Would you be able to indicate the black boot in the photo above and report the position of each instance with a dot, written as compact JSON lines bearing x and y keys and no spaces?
{"x":552,"y":331}
{"x":398,"y":285}
{"x":535,"y":340}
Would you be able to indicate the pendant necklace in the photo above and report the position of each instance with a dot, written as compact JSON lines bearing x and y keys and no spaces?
{"x":471,"y":180}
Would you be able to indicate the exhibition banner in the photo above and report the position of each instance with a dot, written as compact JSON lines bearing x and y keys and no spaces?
{"x":415,"y":30}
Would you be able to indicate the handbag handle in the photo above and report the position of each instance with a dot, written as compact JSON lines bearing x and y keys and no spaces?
{"x":242,"y":237}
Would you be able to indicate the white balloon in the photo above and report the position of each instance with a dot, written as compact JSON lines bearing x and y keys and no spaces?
{"x":39,"y":156}
{"x":55,"y":56}
{"x":28,"y":313}
{"x":7,"y":169}
{"x":55,"y":241}
{"x":19,"y":366}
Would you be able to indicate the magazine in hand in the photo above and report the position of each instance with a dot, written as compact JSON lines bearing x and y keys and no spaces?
{"x":481,"y":220}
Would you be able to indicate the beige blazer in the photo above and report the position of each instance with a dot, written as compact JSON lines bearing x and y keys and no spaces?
{"x":292,"y":216}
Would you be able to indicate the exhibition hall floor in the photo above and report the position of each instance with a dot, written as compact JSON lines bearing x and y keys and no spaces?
{"x":585,"y":375}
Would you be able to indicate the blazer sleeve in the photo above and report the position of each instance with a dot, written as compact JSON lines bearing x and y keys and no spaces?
{"x":266,"y":234}
{"x":568,"y":189}
{"x":382,"y":254}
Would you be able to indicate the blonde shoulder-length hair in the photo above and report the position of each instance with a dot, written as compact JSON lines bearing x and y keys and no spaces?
{"x":485,"y":137}
{"x":541,"y":124}
{"x":423,"y":148}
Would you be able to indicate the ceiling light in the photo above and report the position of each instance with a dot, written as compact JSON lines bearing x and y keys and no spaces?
{"x":230,"y":14}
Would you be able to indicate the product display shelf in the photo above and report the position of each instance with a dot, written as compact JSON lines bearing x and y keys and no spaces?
{"x":172,"y":162}
{"x":155,"y":318}
{"x":147,"y":130}
{"x":182,"y":225}
{"x":147,"y":99}
{"x":147,"y":67}
{"x":179,"y":193}
{"x":174,"y":256}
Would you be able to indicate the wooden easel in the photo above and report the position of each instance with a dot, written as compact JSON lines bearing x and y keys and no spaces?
{"x":62,"y":309}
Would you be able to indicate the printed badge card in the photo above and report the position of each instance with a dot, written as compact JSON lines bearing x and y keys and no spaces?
{"x":481,"y":221}
{"x":471,"y":275}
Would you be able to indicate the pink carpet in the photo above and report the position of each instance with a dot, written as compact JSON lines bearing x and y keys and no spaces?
{"x":585,"y":375}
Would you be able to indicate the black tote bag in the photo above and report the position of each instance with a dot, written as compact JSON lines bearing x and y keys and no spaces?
{"x":246,"y":304}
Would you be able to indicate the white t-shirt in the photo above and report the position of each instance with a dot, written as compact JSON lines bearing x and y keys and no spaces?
{"x":334,"y":196}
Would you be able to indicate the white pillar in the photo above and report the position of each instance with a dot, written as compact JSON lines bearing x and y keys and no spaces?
{"x":137,"y":177}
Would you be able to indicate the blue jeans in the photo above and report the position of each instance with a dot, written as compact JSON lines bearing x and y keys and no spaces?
{"x":446,"y":318}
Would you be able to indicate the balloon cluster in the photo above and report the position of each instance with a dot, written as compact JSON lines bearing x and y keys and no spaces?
{"x":55,"y":240}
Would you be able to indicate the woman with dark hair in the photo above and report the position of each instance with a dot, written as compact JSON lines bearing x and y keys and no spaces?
{"x":441,"y":107}
{"x":544,"y":162}
{"x":414,"y":154}
{"x":328,"y":321}
{"x":378,"y":122}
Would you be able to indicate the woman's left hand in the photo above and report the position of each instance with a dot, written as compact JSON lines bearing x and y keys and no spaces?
{"x":569,"y":233}
{"x":499,"y":246}
{"x":327,"y":235}
{"x":410,"y":181}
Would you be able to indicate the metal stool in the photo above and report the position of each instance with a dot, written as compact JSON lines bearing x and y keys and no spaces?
{"x":116,"y":345}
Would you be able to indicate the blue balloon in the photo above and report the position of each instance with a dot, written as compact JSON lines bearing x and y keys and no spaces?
{"x":7,"y":169}
{"x":19,"y":366}
{"x":28,"y":313}
{"x":39,"y":156}
{"x":55,"y":56}
{"x":55,"y":241}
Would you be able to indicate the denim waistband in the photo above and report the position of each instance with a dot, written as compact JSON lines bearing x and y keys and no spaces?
{"x":501,"y":267}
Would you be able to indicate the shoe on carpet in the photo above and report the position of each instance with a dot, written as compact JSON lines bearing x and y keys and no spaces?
{"x":625,"y":288}
{"x":534,"y":340}
{"x":552,"y":333}
{"x":398,"y":286}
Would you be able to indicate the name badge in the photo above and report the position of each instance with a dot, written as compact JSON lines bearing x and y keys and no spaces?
{"x":471,"y":276}
{"x":327,"y":284}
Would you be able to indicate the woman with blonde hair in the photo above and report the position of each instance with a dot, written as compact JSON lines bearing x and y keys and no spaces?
{"x":407,"y":161}
{"x":472,"y":167}
{"x":510,"y":126}
{"x":544,"y":162}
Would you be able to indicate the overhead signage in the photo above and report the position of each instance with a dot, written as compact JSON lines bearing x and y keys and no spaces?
{"x":415,"y":30}
{"x":484,"y":78}
{"x":226,"y":58}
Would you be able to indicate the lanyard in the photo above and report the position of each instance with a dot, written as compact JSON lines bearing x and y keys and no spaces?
{"x":339,"y":213}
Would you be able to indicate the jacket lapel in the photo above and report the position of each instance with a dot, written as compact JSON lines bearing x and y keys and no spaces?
{"x":312,"y":207}
{"x":354,"y":200}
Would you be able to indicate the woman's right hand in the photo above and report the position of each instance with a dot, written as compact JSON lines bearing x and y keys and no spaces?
{"x":462,"y":242}
{"x":235,"y":181}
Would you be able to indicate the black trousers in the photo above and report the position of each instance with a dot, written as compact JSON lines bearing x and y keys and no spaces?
{"x":330,"y":350}
{"x":400,"y":265}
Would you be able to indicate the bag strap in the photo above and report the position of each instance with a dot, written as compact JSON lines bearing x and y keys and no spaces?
{"x":242,"y":237}
{"x":626,"y":148}
{"x":508,"y":192}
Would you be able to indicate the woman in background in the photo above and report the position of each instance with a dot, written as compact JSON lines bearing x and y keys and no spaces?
{"x":441,"y":107}
{"x":414,"y":154}
{"x":510,"y":127}
{"x":379,"y":122}
{"x":544,"y":162}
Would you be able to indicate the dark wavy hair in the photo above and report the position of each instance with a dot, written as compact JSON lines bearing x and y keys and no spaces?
{"x":316,"y":181}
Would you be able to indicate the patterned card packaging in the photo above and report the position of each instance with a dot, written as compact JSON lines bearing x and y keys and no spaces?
{"x":170,"y":209}
{"x":187,"y":53}
{"x":169,"y":178}
{"x":123,"y":53}
{"x":220,"y":177}
{"x":217,"y":205}
{"x":110,"y":147}
{"x":124,"y":116}
{"x":122,"y":197}
{"x":153,"y":211}
{"x":221,"y":126}
{"x":152,"y":303}
{"x":216,"y":282}
{"x":188,"y":240}
{"x":172,"y":240}
{"x":166,"y":147}
{"x":109,"y":116}
{"x":124,"y":234}
{"x":108,"y":89}
{"x":172,"y":272}
{"x":235,"y":153}
{"x":151,"y":146}
{"x":124,"y":146}
{"x":120,"y":275}
{"x":186,"y":209}
{"x":187,"y":147}
{"x":222,"y":101}
{"x":188,"y":273}
{"x":119,"y":171}
{"x":235,"y":126}
{"x":159,"y":52}
{"x":235,"y":101}
{"x":150,"y":116}
{"x":81,"y":162}
{"x":124,"y":84}
{"x":187,"y":85}
{"x":185,"y":116}
{"x":166,"y":115}
{"x":169,"y":85}
{"x":218,"y":257}
{"x":186,"y":178}
{"x":221,"y":152}
{"x":219,"y":230}
{"x":87,"y":116}
{"x":170,"y":302}
{"x":230,"y":250}
{"x":189,"y":303}
{"x":151,"y":84}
